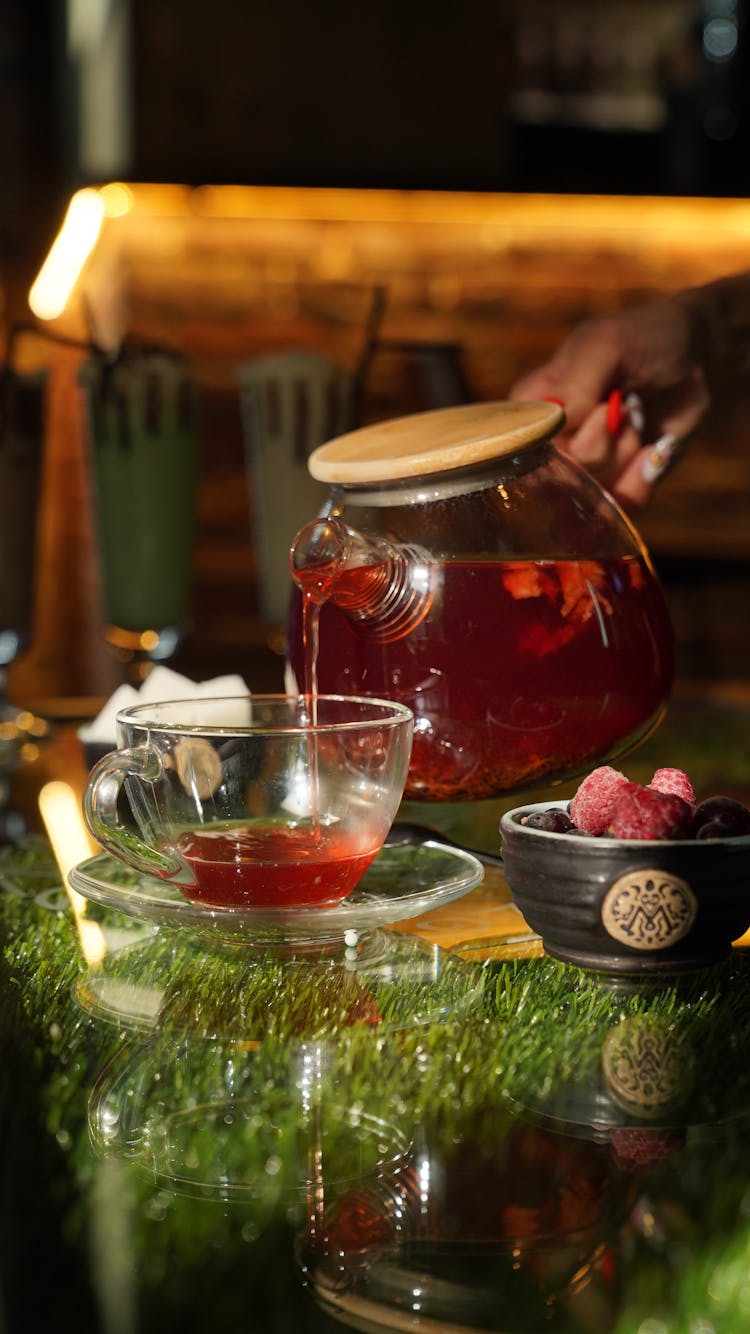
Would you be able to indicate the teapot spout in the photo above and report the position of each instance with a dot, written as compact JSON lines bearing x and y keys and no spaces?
{"x":387,"y":587}
{"x":325,"y":555}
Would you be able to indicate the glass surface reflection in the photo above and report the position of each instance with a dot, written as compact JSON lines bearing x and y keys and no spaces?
{"x":525,"y":1196}
{"x":510,"y":1146}
{"x":237,"y":1083}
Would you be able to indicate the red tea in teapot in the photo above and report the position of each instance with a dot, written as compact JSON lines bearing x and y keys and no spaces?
{"x":568,"y":661}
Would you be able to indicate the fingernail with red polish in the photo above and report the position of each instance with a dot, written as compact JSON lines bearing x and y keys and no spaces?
{"x":550,"y":399}
{"x":614,"y":412}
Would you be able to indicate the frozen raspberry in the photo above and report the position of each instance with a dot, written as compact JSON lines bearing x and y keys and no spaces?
{"x":675,"y":781}
{"x":640,"y":812}
{"x":553,"y":820}
{"x":640,"y":1146}
{"x":722,"y":816}
{"x":591,"y":806}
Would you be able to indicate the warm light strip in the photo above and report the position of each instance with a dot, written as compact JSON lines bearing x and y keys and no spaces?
{"x":495,"y":219}
{"x":537,"y":212}
{"x":61,"y":813}
{"x":67,"y":255}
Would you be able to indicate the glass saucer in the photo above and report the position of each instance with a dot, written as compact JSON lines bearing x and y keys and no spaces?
{"x":402,"y":882}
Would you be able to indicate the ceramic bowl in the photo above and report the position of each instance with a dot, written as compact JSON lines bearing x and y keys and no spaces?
{"x":628,"y":905}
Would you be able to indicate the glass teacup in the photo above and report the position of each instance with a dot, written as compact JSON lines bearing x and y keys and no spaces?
{"x":254,"y":801}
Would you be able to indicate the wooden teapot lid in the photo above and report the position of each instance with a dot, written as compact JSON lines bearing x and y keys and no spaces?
{"x":436,"y":441}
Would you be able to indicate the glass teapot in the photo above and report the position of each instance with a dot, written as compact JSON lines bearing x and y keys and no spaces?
{"x":464,"y":566}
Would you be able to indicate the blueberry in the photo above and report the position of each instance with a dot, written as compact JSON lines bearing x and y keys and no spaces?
{"x":553,"y":820}
{"x":730,"y":815}
{"x":715,"y":829}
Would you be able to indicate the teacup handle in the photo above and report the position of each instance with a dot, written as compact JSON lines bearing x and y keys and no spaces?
{"x":100,"y":811}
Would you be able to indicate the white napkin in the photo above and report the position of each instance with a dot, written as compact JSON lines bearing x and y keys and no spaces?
{"x":161,"y":685}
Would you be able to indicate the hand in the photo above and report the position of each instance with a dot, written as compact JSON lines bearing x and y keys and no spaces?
{"x":642,"y":361}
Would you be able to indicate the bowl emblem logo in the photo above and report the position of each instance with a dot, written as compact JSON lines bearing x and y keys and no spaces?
{"x":645,"y":1067}
{"x":648,"y":909}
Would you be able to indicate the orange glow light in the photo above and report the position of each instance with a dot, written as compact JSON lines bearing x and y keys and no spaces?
{"x":67,"y":255}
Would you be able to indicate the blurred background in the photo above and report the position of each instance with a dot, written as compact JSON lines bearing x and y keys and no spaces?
{"x":634,"y":96}
{"x":423,"y":197}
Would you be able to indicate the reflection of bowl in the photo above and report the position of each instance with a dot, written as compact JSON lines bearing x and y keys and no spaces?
{"x":641,"y":1075}
{"x":673,"y":1067}
{"x":628,"y":905}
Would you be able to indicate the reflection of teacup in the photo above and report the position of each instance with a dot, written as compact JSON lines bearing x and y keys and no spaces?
{"x":252,"y":801}
{"x":236,"y":1120}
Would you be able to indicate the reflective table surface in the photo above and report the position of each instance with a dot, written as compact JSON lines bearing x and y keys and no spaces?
{"x":433,"y":1128}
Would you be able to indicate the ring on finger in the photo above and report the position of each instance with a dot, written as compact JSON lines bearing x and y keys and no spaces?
{"x":633,"y":408}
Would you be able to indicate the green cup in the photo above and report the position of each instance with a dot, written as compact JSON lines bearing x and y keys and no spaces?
{"x":143,"y":438}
